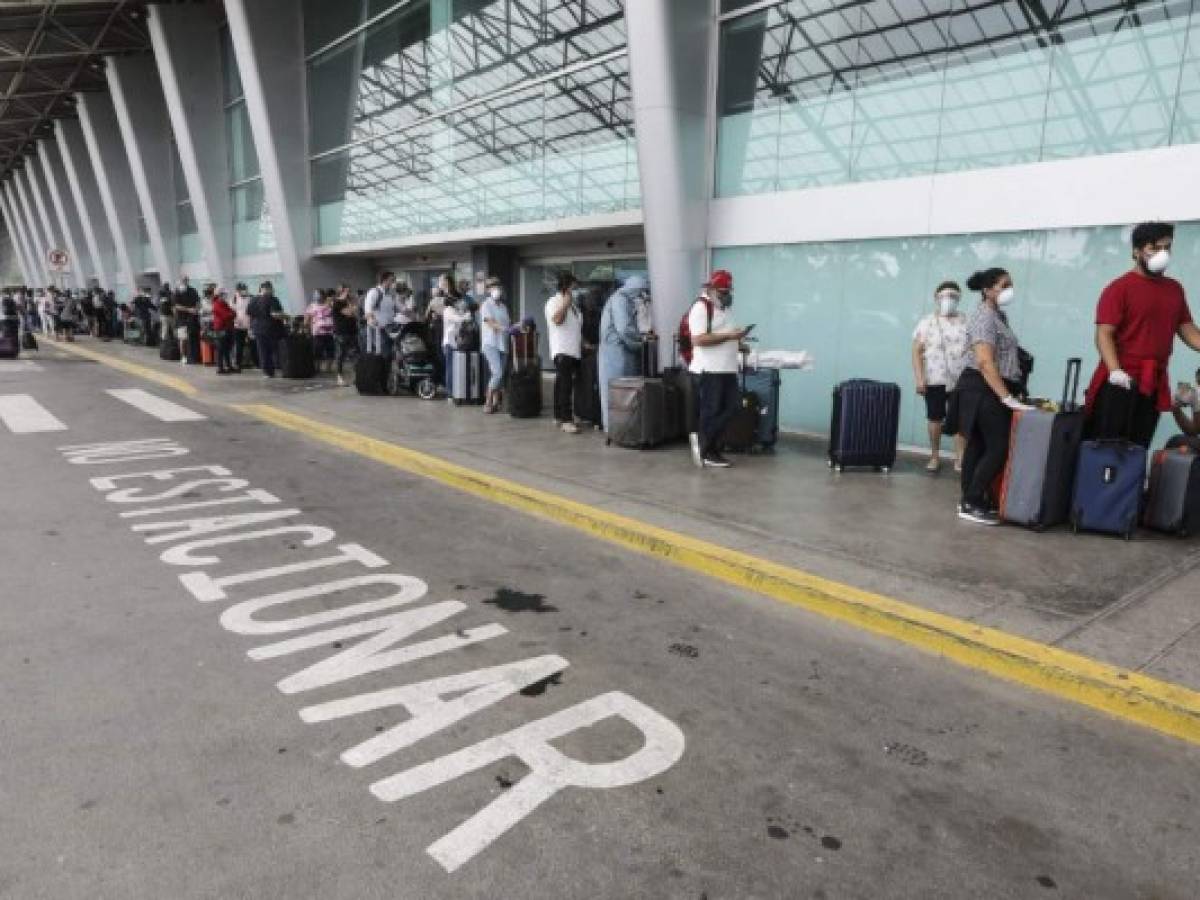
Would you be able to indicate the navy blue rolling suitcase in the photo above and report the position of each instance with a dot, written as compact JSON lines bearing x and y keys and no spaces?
{"x":765,"y":384}
{"x":1109,"y":484}
{"x":865,"y":427}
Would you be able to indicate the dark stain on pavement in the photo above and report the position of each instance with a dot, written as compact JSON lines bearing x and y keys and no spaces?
{"x":514,"y":601}
{"x":687,"y":651}
{"x":829,"y":842}
{"x":504,"y":781}
{"x":1047,"y":882}
{"x":224,"y":801}
{"x":539,"y":687}
{"x":906,"y":753}
{"x":777,"y":832}
{"x":286,"y":819}
{"x":88,"y":804}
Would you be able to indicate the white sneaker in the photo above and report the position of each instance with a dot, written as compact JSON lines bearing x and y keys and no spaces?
{"x":694,"y":442}
{"x":570,"y":428}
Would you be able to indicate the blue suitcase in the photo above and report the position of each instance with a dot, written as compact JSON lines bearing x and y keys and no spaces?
{"x":865,"y":427}
{"x":764,"y":383}
{"x":1109,"y":484}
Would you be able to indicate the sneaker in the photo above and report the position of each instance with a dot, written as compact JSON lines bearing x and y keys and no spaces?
{"x":694,"y":442}
{"x":570,"y":428}
{"x":716,"y":461}
{"x":978,"y":516}
{"x":933,"y":465}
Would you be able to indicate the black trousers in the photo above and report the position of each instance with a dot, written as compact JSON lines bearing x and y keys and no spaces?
{"x":1120,"y":414}
{"x":719,"y":397}
{"x":566,"y":373}
{"x":347,"y":346}
{"x":987,"y":439}
{"x":239,"y":346}
{"x":266,"y":353}
{"x":225,"y":349}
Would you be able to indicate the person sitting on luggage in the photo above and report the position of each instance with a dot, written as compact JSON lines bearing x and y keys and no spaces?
{"x":987,"y":395}
{"x":1137,"y":319}
{"x":620,"y":353}
{"x":939,"y":352}
{"x":345,"y":328}
{"x":716,"y":341}
{"x":223,"y":317}
{"x":564,"y":326}
{"x":494,"y":340}
{"x":1185,"y":407}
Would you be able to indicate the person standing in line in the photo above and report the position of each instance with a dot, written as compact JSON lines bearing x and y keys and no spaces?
{"x":939,"y":353}
{"x":716,"y":341}
{"x":267,"y":320}
{"x":565,"y":326}
{"x":494,"y":340}
{"x":187,"y":322}
{"x":241,"y":324}
{"x":987,"y":394}
{"x":345,"y":328}
{"x":1137,"y":320}
{"x":620,"y":351}
{"x":47,"y":312}
{"x":223,"y":318}
{"x":379,"y":310}
{"x":1186,"y":407}
{"x":319,"y":319}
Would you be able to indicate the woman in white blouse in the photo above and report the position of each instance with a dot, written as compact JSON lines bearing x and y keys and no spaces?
{"x":939,"y":353}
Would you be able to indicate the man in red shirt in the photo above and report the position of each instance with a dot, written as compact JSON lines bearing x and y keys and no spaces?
{"x":1137,"y":320}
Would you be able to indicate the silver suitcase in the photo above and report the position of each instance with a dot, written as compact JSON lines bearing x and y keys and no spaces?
{"x":467,"y":381}
{"x":1174,"y":502}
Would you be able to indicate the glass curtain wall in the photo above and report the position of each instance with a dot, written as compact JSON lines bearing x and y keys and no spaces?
{"x":815,"y":93}
{"x":854,"y":305}
{"x":439,"y":115}
{"x":190,"y":248}
{"x":252,"y":228}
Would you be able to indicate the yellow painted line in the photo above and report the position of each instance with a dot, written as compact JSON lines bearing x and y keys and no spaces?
{"x":175,"y":384}
{"x":1127,"y":695}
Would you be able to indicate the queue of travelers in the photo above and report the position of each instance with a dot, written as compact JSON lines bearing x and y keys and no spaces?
{"x":969,"y":367}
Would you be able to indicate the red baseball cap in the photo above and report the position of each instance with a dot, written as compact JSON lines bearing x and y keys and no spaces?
{"x":721,"y":280}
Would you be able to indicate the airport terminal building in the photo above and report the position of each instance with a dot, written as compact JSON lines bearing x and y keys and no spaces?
{"x":840,"y":158}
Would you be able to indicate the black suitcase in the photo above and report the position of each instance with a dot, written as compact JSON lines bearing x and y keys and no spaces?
{"x":169,"y":349}
{"x":865,"y":425}
{"x":10,"y":344}
{"x":525,"y":392}
{"x":296,"y":357}
{"x":371,"y":374}
{"x":741,"y":434}
{"x":587,"y":389}
{"x":28,"y":341}
{"x":637,"y":412}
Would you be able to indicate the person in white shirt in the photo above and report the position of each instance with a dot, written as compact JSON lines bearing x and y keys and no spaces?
{"x":406,"y":305}
{"x":715,"y":346}
{"x":565,"y":327}
{"x":379,"y":309}
{"x":494,"y":315}
{"x":241,"y":326}
{"x":939,"y":355}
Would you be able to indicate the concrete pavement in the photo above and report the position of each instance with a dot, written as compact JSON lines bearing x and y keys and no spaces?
{"x":146,"y":755}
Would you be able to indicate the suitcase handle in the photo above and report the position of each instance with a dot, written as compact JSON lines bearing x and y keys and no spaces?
{"x":1071,"y":385}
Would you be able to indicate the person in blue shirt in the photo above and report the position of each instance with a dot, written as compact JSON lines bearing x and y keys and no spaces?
{"x":620,"y":340}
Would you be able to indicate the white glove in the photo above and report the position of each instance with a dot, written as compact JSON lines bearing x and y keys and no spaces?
{"x":1016,"y":405}
{"x":1120,"y":378}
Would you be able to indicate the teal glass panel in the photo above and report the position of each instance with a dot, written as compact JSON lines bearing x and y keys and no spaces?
{"x":854,"y":305}
{"x":1113,"y":87}
{"x":190,"y":250}
{"x":252,"y":227}
{"x":1185,"y":128}
{"x":243,"y":154}
{"x":561,"y":149}
{"x":231,"y":78}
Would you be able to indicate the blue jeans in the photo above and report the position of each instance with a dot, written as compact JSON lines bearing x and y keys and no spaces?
{"x":719,"y":397}
{"x":495,"y":360}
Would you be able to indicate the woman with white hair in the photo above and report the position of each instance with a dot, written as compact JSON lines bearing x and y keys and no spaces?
{"x":620,"y":340}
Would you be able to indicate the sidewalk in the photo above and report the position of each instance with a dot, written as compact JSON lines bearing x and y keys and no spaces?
{"x":1133,"y":605}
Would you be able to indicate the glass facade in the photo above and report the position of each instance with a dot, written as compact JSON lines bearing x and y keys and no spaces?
{"x":252,"y":227}
{"x":815,"y":93}
{"x":854,"y":305}
{"x":444,"y":115}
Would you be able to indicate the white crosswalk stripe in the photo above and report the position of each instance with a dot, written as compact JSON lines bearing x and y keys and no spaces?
{"x":152,"y":404}
{"x":18,"y":366}
{"x":21,"y":414}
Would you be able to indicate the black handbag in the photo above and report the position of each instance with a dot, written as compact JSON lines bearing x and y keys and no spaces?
{"x":951,"y":426}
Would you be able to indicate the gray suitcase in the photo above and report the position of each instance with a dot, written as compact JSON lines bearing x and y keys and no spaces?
{"x":637,"y":412}
{"x":467,"y":380}
{"x":1040,"y":471}
{"x":1174,"y":502}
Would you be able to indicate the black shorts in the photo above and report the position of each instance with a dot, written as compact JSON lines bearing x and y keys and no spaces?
{"x":935,"y":403}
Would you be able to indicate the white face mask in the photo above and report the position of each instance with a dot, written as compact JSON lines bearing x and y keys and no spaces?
{"x":1006,"y":297}
{"x":1158,"y":262}
{"x":948,"y":304}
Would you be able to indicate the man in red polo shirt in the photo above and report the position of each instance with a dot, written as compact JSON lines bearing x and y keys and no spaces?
{"x":1137,"y":320}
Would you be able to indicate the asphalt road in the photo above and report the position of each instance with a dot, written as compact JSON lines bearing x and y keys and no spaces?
{"x":663,"y":736}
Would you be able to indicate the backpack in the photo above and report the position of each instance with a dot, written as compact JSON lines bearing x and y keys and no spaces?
{"x":468,"y":336}
{"x":685,"y":329}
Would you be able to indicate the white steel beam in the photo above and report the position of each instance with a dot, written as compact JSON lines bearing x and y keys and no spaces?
{"x":86,"y":193}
